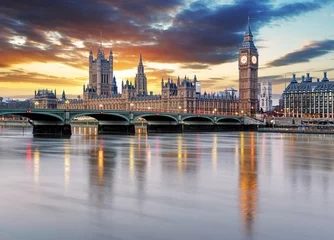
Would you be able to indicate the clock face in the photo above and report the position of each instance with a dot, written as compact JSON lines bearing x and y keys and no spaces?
{"x":254,"y":59}
{"x":243,"y":59}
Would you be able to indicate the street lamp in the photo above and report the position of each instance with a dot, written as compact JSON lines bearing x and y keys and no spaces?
{"x":67,"y":102}
{"x":242,"y":112}
{"x":131,"y":113}
{"x":149,"y":108}
{"x":101,"y":106}
{"x":36,"y":104}
{"x":179,"y":109}
{"x":185,"y":110}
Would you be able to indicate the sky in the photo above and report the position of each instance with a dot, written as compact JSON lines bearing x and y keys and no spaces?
{"x":46,"y":43}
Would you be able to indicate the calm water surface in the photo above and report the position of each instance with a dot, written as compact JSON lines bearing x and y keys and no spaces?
{"x":191,"y":186}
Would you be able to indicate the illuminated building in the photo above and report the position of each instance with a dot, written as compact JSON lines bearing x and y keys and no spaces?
{"x":45,"y":99}
{"x":308,"y":98}
{"x":180,"y":95}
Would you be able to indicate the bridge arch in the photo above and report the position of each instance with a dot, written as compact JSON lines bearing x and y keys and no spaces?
{"x":156,"y":117}
{"x":228,"y":120}
{"x":36,"y":116}
{"x":102,"y":117}
{"x":198,"y":118}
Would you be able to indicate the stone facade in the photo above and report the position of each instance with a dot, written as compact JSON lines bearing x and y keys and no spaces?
{"x":181,"y":95}
{"x":248,"y":75}
{"x":45,"y":99}
{"x":265,"y":96}
{"x":308,"y":98}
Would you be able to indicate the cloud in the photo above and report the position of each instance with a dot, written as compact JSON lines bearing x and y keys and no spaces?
{"x":195,"y":66}
{"x":164,"y":31}
{"x":19,"y":76}
{"x":305,"y":54}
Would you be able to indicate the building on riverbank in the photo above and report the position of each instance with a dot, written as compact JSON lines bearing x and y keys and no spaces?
{"x":45,"y":98}
{"x":177,"y":95}
{"x":308,"y":98}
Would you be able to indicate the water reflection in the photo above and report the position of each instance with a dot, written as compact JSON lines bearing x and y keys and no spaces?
{"x":248,"y":181}
{"x":36,"y":166}
{"x":67,"y":164}
{"x":101,"y":172}
{"x":175,"y":186}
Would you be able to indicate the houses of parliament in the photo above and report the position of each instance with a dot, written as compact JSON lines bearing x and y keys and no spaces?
{"x":177,"y":95}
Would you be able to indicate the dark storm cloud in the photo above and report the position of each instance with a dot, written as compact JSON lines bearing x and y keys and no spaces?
{"x":305,"y":54}
{"x":190,"y":35}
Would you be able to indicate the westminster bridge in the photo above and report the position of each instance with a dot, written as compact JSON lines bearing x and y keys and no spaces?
{"x":57,"y":122}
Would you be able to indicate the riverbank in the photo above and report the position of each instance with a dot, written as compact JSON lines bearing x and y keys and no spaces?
{"x":297,"y":130}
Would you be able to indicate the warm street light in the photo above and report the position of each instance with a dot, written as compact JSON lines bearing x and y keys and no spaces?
{"x":36,"y":104}
{"x":67,"y":102}
{"x":185,"y":110}
{"x":149,"y":108}
{"x":101,"y":106}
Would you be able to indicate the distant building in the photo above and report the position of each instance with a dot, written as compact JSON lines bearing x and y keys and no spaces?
{"x":309,"y":98}
{"x":45,"y":99}
{"x":265,"y":96}
{"x":177,"y":95}
{"x":101,"y":75}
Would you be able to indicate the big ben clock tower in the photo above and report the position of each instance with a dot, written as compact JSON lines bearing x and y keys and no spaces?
{"x":248,"y":78}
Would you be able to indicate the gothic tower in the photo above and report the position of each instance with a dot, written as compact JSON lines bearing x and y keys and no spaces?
{"x":141,"y":81}
{"x":248,"y":75}
{"x":101,"y":72}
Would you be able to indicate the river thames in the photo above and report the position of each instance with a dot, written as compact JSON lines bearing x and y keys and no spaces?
{"x":230,"y":185}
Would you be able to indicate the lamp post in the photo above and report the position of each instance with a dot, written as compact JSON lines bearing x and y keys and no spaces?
{"x":214,"y":114}
{"x":178,"y":113}
{"x":67,"y":102}
{"x":131,"y":112}
{"x":36,"y":104}
{"x":185,"y":110}
{"x":149,"y":108}
{"x":101,"y":106}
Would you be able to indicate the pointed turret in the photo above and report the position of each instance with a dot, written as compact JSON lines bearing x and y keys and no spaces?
{"x":248,"y":38}
{"x":248,"y":30}
{"x":63,"y":96}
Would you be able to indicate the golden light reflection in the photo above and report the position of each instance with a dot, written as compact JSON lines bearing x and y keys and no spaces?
{"x":67,"y":165}
{"x":248,"y":181}
{"x":36,"y":165}
{"x":131,"y":159}
{"x":179,"y":153}
{"x":148,"y":154}
{"x":100,"y":163}
{"x":214,"y":154}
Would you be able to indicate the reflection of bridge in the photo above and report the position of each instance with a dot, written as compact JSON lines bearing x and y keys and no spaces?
{"x":57,"y":121}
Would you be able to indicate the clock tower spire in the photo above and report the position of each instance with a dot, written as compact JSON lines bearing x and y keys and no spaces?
{"x":248,"y":74}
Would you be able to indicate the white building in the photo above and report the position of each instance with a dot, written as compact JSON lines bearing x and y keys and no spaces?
{"x":265,"y":96}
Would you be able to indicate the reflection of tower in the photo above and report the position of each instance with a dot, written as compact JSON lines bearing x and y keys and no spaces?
{"x":248,"y":181}
{"x":101,"y":172}
{"x":67,"y":166}
{"x":138,"y":165}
